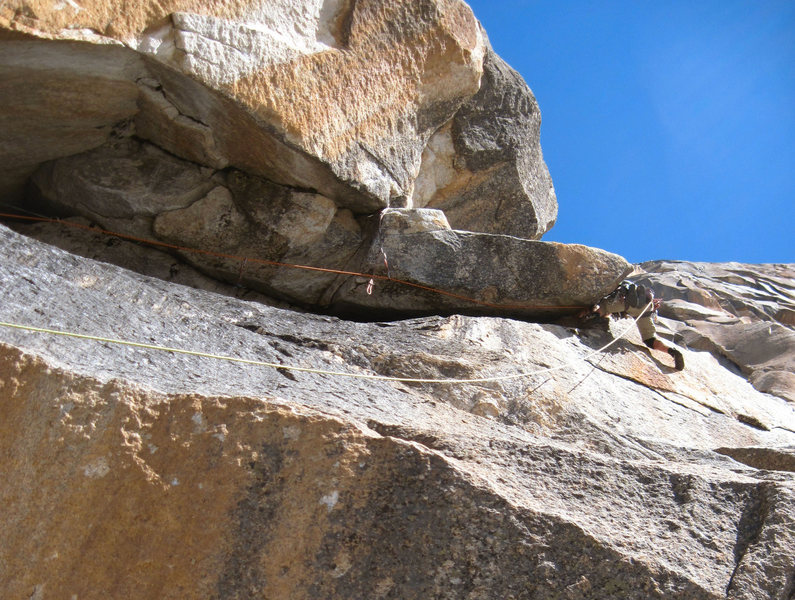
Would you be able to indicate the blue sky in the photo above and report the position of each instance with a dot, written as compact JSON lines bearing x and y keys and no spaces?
{"x":668,"y":126}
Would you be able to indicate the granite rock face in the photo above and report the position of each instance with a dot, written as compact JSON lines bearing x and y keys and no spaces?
{"x":277,"y":132}
{"x":336,"y":96}
{"x":59,"y":99}
{"x":161,"y":474}
{"x":178,"y":421}
{"x":485,"y":170}
{"x":743,"y":313}
{"x":135,"y":188}
{"x":237,"y":227}
{"x":340,"y":99}
{"x":478,"y":273}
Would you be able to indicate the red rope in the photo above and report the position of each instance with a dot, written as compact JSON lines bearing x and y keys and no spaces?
{"x":274,"y":263}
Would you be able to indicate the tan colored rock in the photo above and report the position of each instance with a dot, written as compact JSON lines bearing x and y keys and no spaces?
{"x":340,"y":97}
{"x":240,"y":140}
{"x":486,"y":407}
{"x":762,"y":291}
{"x":736,"y":310}
{"x":170,"y":487}
{"x":410,"y":221}
{"x":329,"y":103}
{"x":764,"y":351}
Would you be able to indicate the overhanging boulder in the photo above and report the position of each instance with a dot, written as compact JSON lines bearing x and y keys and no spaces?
{"x":433,"y":268}
{"x":335,"y":96}
{"x":485,"y":168}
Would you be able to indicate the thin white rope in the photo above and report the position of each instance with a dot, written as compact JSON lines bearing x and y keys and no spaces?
{"x":261,"y":363}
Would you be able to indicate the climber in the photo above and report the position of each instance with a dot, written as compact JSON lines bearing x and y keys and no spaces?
{"x":634,"y":300}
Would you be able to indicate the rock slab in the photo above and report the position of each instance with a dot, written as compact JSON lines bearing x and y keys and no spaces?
{"x":738,"y":311}
{"x":134,"y":471}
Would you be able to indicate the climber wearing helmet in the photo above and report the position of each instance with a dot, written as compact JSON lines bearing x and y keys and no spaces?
{"x":636,"y":301}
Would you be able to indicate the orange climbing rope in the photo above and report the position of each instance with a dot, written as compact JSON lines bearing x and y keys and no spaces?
{"x":273,"y":263}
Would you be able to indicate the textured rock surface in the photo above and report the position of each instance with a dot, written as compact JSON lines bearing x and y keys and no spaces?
{"x":486,"y":170}
{"x":314,"y":94}
{"x":741,"y":312}
{"x":277,"y":131}
{"x":59,"y":98}
{"x":334,"y":96}
{"x":132,"y":471}
{"x":135,"y":189}
{"x":502,"y":274}
{"x":309,"y":467}
{"x":121,"y":181}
